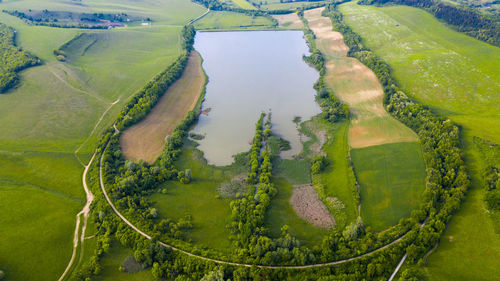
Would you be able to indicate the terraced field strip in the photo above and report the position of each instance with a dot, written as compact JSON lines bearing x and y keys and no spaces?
{"x":145,"y":140}
{"x":356,"y":85}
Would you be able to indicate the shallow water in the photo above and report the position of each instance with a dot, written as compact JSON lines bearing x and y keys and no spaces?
{"x":250,"y":72}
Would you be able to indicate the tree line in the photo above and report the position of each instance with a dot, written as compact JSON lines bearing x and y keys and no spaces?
{"x":447,"y":179}
{"x":13,"y":60}
{"x":464,"y":19}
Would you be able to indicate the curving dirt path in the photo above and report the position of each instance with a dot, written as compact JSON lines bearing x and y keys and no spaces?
{"x":95,"y":128}
{"x":85,"y":213}
{"x":136,"y":229}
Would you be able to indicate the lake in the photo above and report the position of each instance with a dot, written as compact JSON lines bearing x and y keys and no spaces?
{"x":250,"y":72}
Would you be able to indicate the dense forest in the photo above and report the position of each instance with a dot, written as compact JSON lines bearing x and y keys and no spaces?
{"x":13,"y":59}
{"x":463,"y":19}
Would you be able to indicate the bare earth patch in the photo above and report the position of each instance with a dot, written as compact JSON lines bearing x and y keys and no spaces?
{"x":356,"y":85}
{"x":145,"y":140}
{"x":290,"y":21}
{"x":308,"y":206}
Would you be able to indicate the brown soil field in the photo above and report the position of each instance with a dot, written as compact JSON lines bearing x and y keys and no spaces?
{"x":357,"y":86}
{"x":146,"y":139}
{"x":308,"y":205}
{"x":289,"y":21}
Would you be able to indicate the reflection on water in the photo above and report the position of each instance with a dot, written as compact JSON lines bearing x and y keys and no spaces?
{"x":251,"y":72}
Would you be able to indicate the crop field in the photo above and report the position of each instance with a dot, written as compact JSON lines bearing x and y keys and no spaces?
{"x":289,"y":21}
{"x":357,"y":86}
{"x":435,"y":65}
{"x":146,"y":139}
{"x":370,"y":125}
{"x":223,"y":20}
{"x":392,"y":179}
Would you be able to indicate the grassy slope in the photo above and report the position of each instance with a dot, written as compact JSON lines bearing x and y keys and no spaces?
{"x":230,"y":21}
{"x":459,"y":77}
{"x":36,"y":232}
{"x":435,"y":64}
{"x":392,"y":178}
{"x":53,"y":112}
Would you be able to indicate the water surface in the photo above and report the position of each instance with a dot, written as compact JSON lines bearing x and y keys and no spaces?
{"x":251,"y":72}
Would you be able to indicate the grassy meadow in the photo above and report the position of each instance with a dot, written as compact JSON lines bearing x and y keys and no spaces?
{"x":60,"y":108}
{"x":244,"y":4}
{"x":338,"y":179}
{"x":224,"y":20}
{"x":210,"y":215}
{"x":392,"y":179}
{"x":112,"y":261}
{"x":450,"y":71}
{"x":458,"y":77}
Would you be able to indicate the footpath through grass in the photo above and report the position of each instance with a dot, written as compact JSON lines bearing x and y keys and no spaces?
{"x":392,"y":179}
{"x":55,"y":110}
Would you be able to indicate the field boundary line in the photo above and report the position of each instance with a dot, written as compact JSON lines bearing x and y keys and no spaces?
{"x":101,"y":182}
{"x":199,"y":17}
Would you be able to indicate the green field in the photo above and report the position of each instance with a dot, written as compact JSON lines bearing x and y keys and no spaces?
{"x":112,"y":261}
{"x":436,"y":65}
{"x":56,"y":111}
{"x":469,"y":248}
{"x":392,"y":179}
{"x":210,"y":215}
{"x":223,"y":20}
{"x":37,"y":231}
{"x":338,"y":179}
{"x":244,"y":4}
